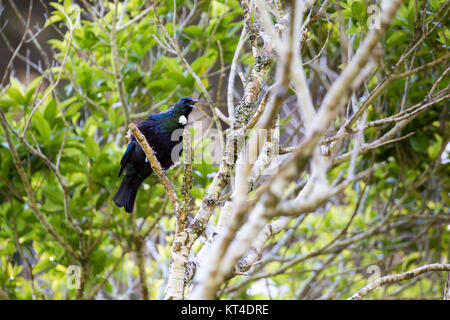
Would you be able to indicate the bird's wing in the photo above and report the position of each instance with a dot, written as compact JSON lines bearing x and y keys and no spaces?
{"x":126,"y":156}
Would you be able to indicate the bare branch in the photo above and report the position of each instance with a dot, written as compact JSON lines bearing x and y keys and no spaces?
{"x":399,"y":277}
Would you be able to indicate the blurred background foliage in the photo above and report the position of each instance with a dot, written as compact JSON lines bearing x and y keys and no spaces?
{"x":72,"y":89}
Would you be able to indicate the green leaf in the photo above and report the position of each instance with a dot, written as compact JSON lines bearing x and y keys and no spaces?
{"x":6,"y":103}
{"x":50,"y":110}
{"x":54,"y":194}
{"x":194,"y":31}
{"x":397,"y":37}
{"x":353,"y":30}
{"x":203,"y":63}
{"x":419,"y":143}
{"x":92,"y":148}
{"x":72,"y":110}
{"x":53,"y":19}
{"x":31,"y":89}
{"x":172,"y":65}
{"x":167,"y":84}
{"x":15,"y":92}
{"x":42,"y":125}
{"x":358,"y":9}
{"x":67,"y":102}
{"x":435,"y":147}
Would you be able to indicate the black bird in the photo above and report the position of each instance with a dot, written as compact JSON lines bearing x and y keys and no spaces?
{"x":161,"y":132}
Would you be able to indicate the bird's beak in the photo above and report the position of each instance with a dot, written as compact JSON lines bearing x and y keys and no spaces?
{"x":192,"y":102}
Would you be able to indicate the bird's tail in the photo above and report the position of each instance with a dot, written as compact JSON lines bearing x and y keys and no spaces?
{"x":126,"y":195}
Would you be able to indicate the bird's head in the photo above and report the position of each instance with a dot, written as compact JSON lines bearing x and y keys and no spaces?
{"x":185,"y":105}
{"x":183,"y":108}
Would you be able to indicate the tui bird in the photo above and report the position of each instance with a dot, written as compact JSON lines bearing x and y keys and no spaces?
{"x":158,"y":130}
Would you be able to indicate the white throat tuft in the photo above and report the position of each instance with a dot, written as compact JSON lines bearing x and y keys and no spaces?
{"x":182,"y":120}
